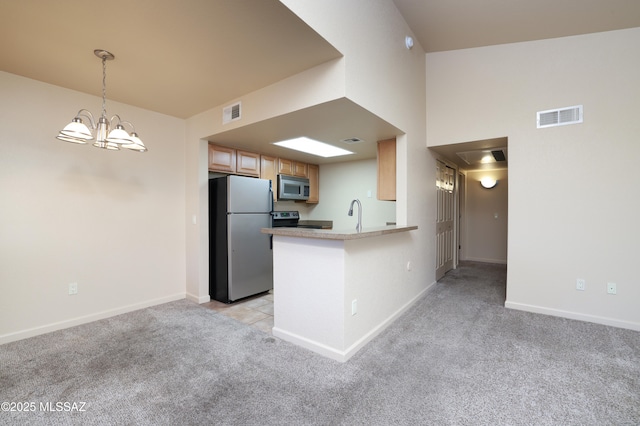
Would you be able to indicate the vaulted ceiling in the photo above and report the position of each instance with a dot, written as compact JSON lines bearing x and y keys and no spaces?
{"x":184,"y":57}
{"x":174,"y":57}
{"x":460,"y":24}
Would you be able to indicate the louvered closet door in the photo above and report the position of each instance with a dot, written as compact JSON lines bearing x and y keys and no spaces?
{"x":445,"y":178}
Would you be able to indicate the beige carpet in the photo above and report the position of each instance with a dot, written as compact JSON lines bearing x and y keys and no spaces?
{"x":457,"y":357}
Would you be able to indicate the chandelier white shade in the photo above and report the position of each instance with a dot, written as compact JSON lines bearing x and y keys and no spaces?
{"x":108,"y":133}
{"x":76,"y":131}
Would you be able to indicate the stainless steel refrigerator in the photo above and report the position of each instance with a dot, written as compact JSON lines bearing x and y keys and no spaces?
{"x":240,"y":256}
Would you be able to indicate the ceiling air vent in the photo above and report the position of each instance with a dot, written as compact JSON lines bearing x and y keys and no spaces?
{"x":231,"y":113}
{"x":481,"y":157}
{"x":560,"y":117}
{"x":352,"y":140}
{"x":498,"y":155}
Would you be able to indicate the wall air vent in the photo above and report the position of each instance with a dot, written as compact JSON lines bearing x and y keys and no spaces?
{"x":560,"y":117}
{"x":231,"y":113}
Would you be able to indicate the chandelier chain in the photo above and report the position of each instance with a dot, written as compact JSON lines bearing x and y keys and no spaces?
{"x":104,"y":86}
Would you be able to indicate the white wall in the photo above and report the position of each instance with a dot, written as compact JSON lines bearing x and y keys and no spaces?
{"x":342,"y":182}
{"x":384,"y":77}
{"x":387,"y":79}
{"x":378,"y":73}
{"x":573,"y":189}
{"x":337,"y":273}
{"x":314,"y":86}
{"x":486,"y":216}
{"x":111,"y":221}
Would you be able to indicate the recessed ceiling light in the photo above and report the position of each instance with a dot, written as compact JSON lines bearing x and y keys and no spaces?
{"x":313,"y":147}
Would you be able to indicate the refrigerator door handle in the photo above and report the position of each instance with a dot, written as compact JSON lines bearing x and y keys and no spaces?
{"x":271,"y":242}
{"x":270,"y":196}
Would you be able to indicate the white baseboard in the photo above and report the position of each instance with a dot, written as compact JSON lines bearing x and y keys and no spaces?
{"x":483,"y":260}
{"x":344,"y":355}
{"x":386,"y":323}
{"x":630,"y":325}
{"x":72,"y":322}
{"x":198,"y":299}
{"x":312,"y":345}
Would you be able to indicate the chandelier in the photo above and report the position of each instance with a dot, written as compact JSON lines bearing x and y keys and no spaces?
{"x":78,"y":132}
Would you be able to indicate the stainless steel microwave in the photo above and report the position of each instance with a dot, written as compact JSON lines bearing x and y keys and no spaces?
{"x":293,"y":188}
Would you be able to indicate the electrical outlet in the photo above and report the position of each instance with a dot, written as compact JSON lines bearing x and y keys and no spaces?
{"x":581,"y":284}
{"x":611,"y":288}
{"x":354,"y":306}
{"x":73,"y":288}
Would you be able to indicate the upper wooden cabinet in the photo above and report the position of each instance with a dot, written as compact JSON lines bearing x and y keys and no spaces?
{"x":269,"y":170}
{"x":387,"y":170}
{"x":285,"y":166}
{"x":247,"y":163}
{"x":300,"y":169}
{"x":292,"y":168}
{"x":236,"y":161}
{"x":229,"y":160}
{"x":222,"y":159}
{"x":314,"y":183}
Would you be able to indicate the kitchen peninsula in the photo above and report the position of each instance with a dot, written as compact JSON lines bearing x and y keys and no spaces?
{"x":335,"y":290}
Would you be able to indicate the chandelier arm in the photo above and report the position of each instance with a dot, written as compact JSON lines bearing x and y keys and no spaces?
{"x":123,"y":122}
{"x":113,"y":117}
{"x":86,"y":113}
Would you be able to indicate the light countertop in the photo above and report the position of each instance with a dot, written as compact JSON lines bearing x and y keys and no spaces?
{"x":337,"y":234}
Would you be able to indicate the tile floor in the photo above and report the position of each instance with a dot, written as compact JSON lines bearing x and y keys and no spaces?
{"x":255,"y":311}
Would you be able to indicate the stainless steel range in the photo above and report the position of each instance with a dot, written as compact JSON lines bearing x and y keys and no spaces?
{"x":291,"y":219}
{"x":285,"y":219}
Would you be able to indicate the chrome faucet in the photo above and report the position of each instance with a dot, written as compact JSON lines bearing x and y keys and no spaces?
{"x":359,"y":225}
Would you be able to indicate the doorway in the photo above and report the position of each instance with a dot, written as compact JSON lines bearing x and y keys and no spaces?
{"x":479,"y":216}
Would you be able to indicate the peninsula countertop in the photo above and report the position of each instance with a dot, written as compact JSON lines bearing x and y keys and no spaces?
{"x":337,"y":234}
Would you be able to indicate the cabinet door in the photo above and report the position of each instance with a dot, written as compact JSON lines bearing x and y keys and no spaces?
{"x":247,"y":163}
{"x":387,"y":170}
{"x":222,"y":159}
{"x":300,"y":169}
{"x":314,"y":184}
{"x":285,"y":167}
{"x":269,"y":170}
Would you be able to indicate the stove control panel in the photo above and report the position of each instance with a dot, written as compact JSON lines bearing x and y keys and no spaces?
{"x":286,"y":215}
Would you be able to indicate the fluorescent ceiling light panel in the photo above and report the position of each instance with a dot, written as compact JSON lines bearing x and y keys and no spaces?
{"x":313,"y":147}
